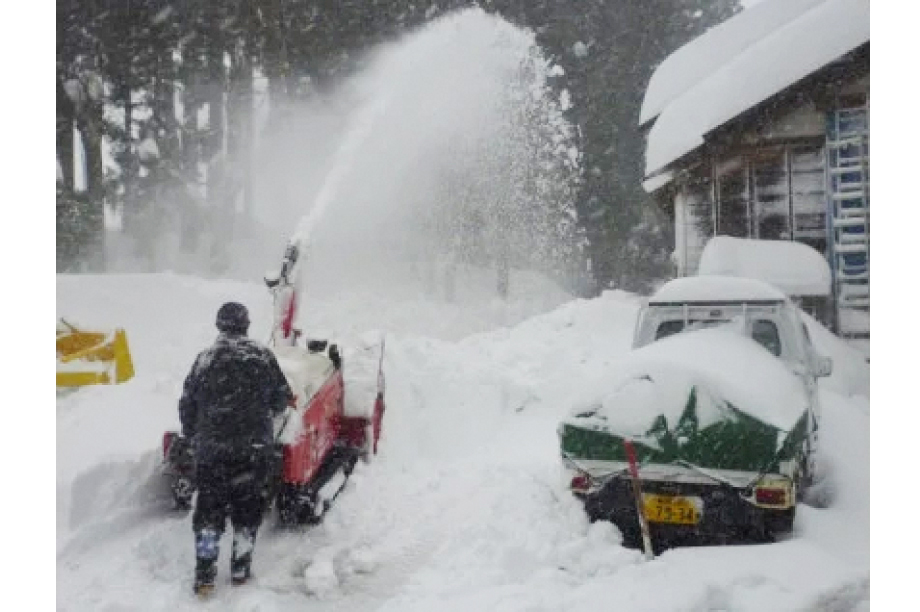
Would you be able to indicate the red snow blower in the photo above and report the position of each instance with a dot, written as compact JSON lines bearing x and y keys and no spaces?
{"x":323,"y":433}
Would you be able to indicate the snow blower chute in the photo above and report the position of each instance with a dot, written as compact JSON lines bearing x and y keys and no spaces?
{"x":91,"y":357}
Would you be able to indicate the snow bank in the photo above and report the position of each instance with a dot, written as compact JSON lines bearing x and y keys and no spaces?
{"x":461,"y":510}
{"x":850,"y":375}
{"x":765,"y":67}
{"x":795,"y":268}
{"x":845,"y":457}
{"x":657,"y":380}
{"x":169,"y":318}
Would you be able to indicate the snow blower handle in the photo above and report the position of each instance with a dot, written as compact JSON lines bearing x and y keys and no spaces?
{"x":288,"y":411}
{"x":637,"y":493}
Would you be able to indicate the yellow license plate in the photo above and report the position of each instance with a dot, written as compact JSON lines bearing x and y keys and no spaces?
{"x":670,"y":509}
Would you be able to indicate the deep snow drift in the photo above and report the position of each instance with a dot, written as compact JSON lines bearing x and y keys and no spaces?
{"x":463,"y":509}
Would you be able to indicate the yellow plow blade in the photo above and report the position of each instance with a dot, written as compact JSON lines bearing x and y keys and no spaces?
{"x":91,"y":358}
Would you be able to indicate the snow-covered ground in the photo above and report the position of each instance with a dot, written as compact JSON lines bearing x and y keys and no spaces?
{"x":463,"y":509}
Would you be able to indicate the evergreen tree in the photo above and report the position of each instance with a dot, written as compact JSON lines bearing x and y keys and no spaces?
{"x":608,"y":51}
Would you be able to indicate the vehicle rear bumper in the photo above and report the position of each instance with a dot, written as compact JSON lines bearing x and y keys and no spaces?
{"x":724,"y":513}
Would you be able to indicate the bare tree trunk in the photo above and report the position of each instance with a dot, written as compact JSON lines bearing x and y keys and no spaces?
{"x":216,"y":84}
{"x":219,"y":206}
{"x":247,"y":135}
{"x":64,"y":135}
{"x":275,"y":56}
{"x":90,"y":124}
{"x":190,"y":74}
{"x":239,"y":106}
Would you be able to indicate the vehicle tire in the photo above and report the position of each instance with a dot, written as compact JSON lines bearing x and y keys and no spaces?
{"x":778,"y":524}
{"x":632,"y":537}
{"x":817,"y":489}
{"x":182,"y":491}
{"x":297,"y":506}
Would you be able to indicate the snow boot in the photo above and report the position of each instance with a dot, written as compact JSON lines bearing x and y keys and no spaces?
{"x":241,"y":561}
{"x":203,"y":591}
{"x":205,"y":573}
{"x":206,"y":551}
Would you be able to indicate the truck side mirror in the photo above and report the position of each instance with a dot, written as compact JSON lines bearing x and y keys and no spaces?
{"x":823,"y":366}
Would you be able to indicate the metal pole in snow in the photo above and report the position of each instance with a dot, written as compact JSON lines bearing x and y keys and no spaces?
{"x":637,"y":494}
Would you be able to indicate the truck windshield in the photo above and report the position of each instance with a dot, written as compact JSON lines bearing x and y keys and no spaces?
{"x":764,"y":332}
{"x":669,"y":328}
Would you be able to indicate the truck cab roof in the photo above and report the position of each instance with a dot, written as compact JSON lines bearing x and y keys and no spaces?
{"x":756,"y":308}
{"x":716,"y":290}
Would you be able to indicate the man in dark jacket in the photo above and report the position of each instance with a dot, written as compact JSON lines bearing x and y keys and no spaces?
{"x":229,"y":399}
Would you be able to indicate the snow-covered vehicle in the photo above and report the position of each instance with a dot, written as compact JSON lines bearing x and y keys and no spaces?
{"x":334,"y":421}
{"x":719,"y":399}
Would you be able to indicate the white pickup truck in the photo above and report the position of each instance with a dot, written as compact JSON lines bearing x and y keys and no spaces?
{"x":719,"y":398}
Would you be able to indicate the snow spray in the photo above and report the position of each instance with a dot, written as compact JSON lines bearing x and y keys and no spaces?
{"x":405,"y":163}
{"x":342,"y":163}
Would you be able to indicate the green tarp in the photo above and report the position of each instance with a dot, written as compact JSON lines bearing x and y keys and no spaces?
{"x":735,"y":442}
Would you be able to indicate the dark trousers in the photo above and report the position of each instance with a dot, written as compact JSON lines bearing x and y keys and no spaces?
{"x":230,"y":485}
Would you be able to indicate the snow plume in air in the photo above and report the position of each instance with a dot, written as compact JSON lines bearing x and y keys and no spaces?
{"x":440,"y":151}
{"x":447,"y":149}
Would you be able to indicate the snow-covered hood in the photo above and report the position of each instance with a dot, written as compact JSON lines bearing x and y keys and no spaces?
{"x":727,"y":369}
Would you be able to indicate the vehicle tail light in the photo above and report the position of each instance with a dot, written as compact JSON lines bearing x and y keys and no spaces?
{"x":772,"y":496}
{"x":581,"y":483}
{"x":168,"y":438}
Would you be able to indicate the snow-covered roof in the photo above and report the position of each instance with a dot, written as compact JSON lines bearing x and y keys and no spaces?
{"x":705,"y":54}
{"x":793,"y":267}
{"x":707,"y":289}
{"x":749,"y":73}
{"x":658,"y":181}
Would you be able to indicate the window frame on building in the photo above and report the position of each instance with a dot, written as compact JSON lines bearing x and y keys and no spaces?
{"x":784,"y":199}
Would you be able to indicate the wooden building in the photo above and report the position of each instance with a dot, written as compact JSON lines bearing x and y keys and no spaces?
{"x":760,"y":129}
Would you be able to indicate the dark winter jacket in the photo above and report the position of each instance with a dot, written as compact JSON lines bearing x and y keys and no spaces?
{"x":231,"y":394}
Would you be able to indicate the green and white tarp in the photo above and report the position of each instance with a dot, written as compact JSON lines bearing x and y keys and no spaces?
{"x":713,"y":398}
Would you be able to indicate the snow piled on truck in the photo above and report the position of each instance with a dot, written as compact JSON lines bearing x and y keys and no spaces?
{"x":721,"y":363}
{"x":713,"y":289}
{"x":793,"y":267}
{"x":463,"y":508}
